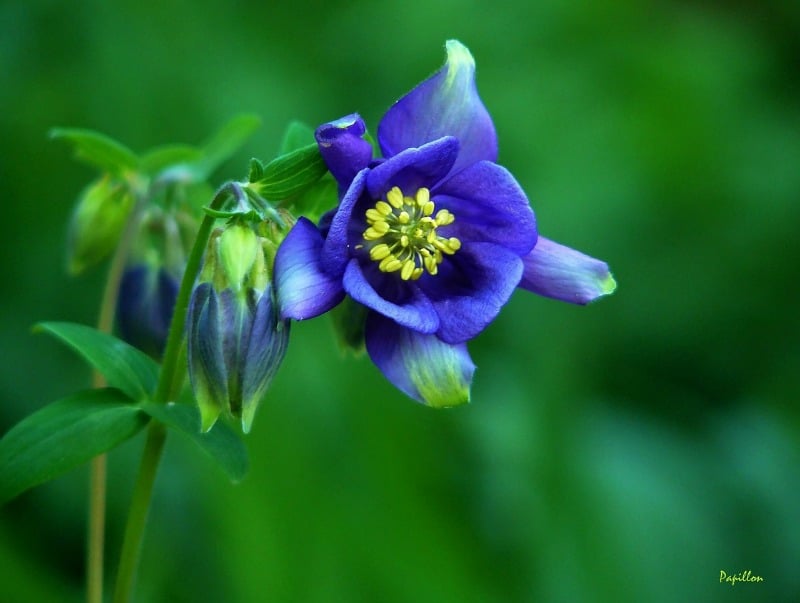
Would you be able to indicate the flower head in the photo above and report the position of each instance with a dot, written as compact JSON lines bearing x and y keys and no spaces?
{"x":433,"y":237}
{"x":236,"y":341}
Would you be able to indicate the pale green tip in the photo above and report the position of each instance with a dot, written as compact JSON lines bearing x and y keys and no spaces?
{"x":209,"y":413}
{"x":608,"y":285}
{"x":458,"y":58}
{"x":441,"y":389}
{"x":248,"y":414}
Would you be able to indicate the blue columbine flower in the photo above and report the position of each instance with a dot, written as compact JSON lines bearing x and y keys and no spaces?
{"x":433,"y":237}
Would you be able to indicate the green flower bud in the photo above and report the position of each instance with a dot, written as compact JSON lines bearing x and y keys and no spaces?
{"x":238,"y":247}
{"x":97,"y":222}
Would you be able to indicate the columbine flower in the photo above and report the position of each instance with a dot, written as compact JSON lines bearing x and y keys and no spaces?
{"x":433,"y":237}
{"x":235,"y":339}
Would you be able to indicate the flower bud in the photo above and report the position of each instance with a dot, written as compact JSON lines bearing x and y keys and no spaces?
{"x":150,"y":282}
{"x":235,"y":339}
{"x":97,"y":222}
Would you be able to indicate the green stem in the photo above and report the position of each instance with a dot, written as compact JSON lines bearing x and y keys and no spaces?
{"x":168,"y":387}
{"x":95,"y":537}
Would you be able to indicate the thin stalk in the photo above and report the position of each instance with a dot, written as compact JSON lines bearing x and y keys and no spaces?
{"x":168,"y":387}
{"x":95,"y":536}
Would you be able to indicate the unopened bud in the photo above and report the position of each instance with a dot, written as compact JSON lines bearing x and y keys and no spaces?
{"x":97,"y":222}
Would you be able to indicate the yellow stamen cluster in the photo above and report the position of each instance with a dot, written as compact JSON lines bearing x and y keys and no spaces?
{"x":402,"y":234}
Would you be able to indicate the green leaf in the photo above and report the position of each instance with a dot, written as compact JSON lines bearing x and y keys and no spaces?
{"x":122,"y":365}
{"x":226,"y":142}
{"x":98,"y":150}
{"x":64,"y":435}
{"x":297,"y":136}
{"x":221,"y":443}
{"x":289,"y":174}
{"x":171,"y":156}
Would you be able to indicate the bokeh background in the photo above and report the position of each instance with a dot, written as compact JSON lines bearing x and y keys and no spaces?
{"x":627,"y":451}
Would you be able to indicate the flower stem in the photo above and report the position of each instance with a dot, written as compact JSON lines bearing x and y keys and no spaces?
{"x":169,"y":385}
{"x":95,"y":536}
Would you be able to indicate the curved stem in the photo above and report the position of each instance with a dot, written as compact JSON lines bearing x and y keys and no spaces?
{"x":168,"y":387}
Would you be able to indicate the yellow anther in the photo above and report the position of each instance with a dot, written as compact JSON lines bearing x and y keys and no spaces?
{"x":444,"y":217}
{"x":408,"y":270}
{"x":418,"y":272}
{"x":403,"y":218}
{"x":395,"y":197}
{"x":404,"y":242}
{"x":383,"y":208}
{"x":423,"y":197}
{"x":454,"y":243}
{"x":373,"y":215}
{"x":428,"y":208}
{"x":380,"y":251}
{"x":390,"y":264}
{"x":431,"y":265}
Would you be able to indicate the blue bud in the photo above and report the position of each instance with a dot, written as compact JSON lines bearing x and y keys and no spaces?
{"x":145,"y":303}
{"x":236,"y":341}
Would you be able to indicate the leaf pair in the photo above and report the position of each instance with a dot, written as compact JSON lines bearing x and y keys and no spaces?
{"x":71,"y":431}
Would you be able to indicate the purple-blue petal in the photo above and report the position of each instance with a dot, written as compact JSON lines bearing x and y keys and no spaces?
{"x":471,"y":288}
{"x":268,"y":341}
{"x":556,"y":271}
{"x":342,"y":147}
{"x":421,"y":366}
{"x":304,"y":289}
{"x":415,"y":311}
{"x":489,"y":206}
{"x":446,"y":104}
{"x":335,"y":250}
{"x":413,"y":168}
{"x":204,"y":354}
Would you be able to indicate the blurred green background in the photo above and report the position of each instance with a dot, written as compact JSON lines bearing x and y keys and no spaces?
{"x":627,"y":451}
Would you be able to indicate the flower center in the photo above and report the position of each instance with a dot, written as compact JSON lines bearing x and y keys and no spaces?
{"x":402,"y":234}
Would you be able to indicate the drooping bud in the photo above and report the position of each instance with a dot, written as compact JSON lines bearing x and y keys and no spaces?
{"x":235,"y":339}
{"x":97,"y":222}
{"x":149,"y":285}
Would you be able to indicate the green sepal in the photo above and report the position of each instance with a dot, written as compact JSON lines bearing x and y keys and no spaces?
{"x":122,"y":365}
{"x":317,"y":199}
{"x":256,"y":172}
{"x":98,"y":150}
{"x":348,"y":319}
{"x":297,"y":136}
{"x":64,"y":435}
{"x":250,"y":215}
{"x":221,"y":443}
{"x":291,"y":173}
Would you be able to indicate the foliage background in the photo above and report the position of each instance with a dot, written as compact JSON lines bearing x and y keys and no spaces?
{"x":628,"y":451}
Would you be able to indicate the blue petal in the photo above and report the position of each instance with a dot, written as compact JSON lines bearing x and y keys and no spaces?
{"x":416,"y":312}
{"x":304,"y":290}
{"x":471,"y":288}
{"x":556,"y":271}
{"x":421,"y":366}
{"x":204,"y":350}
{"x":269,"y":339}
{"x":488,"y":206}
{"x":335,"y":250}
{"x":413,"y":168}
{"x":342,"y":147}
{"x":446,"y":104}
